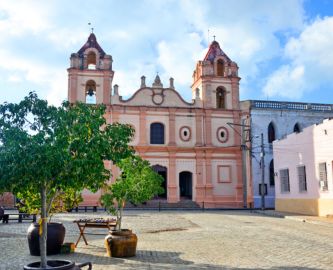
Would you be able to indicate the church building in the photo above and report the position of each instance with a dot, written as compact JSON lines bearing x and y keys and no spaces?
{"x":194,"y":145}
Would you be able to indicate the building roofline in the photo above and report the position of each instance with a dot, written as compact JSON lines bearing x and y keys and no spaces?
{"x":289,"y":105}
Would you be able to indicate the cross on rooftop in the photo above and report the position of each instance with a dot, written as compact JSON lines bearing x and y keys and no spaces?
{"x":92,"y":29}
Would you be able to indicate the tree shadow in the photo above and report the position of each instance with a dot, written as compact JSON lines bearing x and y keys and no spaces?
{"x":149,"y":259}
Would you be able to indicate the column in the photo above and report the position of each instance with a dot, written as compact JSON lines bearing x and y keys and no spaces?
{"x":235,"y":93}
{"x":208,"y":184}
{"x":172,"y":179}
{"x":200,"y":188}
{"x":114,"y":114}
{"x":172,"y":127}
{"x":72,"y":88}
{"x":143,"y":129}
{"x":198,"y":127}
{"x":208,"y":127}
{"x":106,"y":88}
{"x":239,"y":185}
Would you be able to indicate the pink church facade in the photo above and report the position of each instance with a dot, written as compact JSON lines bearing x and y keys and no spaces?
{"x":194,"y":145}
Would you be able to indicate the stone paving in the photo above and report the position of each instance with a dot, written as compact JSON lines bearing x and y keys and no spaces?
{"x":191,"y":240}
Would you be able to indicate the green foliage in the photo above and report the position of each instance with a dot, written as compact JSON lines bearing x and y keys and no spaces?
{"x":46,"y":151}
{"x":136,"y":184}
{"x":70,"y":199}
{"x":62,"y":202}
{"x":58,"y":149}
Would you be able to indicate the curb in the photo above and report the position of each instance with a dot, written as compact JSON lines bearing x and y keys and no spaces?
{"x":295,"y":218}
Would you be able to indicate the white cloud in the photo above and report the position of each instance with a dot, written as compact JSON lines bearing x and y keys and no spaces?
{"x":52,"y":82}
{"x":177,"y":59}
{"x":14,"y":78}
{"x":65,"y":39}
{"x":314,"y":45}
{"x":57,"y":91}
{"x":129,"y":80}
{"x":284,"y":81}
{"x":22,"y":16}
{"x":310,"y":62}
{"x":32,"y":70}
{"x":164,"y":36}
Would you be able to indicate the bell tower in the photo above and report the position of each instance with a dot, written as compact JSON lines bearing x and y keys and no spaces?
{"x":90,"y":74}
{"x":216,"y":81}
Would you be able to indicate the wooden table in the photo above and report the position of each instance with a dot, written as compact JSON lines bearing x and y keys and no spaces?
{"x":99,"y":223}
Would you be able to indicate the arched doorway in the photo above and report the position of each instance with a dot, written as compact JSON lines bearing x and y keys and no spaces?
{"x":185,"y":185}
{"x":163,"y":172}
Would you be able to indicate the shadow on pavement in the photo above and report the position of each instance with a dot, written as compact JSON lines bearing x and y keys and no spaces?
{"x":146,"y":259}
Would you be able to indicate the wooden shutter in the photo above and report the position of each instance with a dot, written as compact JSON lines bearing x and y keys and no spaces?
{"x":284,"y":179}
{"x":302,"y":178}
{"x":323,"y":176}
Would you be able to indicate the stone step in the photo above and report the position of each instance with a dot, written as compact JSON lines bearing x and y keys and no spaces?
{"x":163,"y":204}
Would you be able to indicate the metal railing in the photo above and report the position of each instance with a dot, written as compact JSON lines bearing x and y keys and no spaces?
{"x":280,"y":105}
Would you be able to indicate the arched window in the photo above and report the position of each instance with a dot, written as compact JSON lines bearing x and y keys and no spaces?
{"x":220,"y":98}
{"x":271,"y":173}
{"x":90,"y":92}
{"x":297,"y":128}
{"x":220,"y":68}
{"x":271,"y":132}
{"x":157,"y":133}
{"x":91,"y":60}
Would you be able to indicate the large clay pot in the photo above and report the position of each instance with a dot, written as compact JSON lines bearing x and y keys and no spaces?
{"x":58,"y":265}
{"x":55,"y":238}
{"x":121,"y":243}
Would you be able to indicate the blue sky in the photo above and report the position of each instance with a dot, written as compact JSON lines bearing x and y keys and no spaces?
{"x":284,"y":48}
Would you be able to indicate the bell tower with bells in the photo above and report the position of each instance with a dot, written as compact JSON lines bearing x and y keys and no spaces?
{"x":90,"y":74}
{"x":216,"y":81}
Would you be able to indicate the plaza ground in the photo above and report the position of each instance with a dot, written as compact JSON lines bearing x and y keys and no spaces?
{"x":192,"y":240}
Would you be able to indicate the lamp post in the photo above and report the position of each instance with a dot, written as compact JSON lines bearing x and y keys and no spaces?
{"x":244,"y":175}
{"x":243,"y":135}
{"x":262,"y":162}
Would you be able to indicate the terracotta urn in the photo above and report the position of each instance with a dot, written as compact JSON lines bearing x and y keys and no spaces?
{"x":121,"y":243}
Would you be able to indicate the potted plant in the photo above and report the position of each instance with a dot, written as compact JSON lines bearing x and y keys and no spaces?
{"x":137,"y":183}
{"x":45,"y":150}
{"x":66,"y":199}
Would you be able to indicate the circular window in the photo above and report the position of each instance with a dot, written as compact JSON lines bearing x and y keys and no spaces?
{"x":185,"y":134}
{"x":222,"y":134}
{"x":158,"y":99}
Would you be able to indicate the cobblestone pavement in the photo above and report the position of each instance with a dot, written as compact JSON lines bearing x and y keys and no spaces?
{"x":191,"y":240}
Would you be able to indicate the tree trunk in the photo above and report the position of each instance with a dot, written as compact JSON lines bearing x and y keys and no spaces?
{"x":43,"y":229}
{"x":121,"y":205}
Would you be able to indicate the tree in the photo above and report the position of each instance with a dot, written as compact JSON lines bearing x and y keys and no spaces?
{"x":66,"y":200}
{"x":136,"y":184}
{"x":46,"y":150}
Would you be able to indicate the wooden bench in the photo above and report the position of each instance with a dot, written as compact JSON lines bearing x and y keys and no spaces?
{"x":20,"y":217}
{"x":86,"y":208}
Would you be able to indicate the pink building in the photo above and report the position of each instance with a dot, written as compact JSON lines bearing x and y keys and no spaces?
{"x":303,"y":171}
{"x":194,"y":145}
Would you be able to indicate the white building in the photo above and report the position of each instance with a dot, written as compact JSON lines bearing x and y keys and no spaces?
{"x":275,"y":120}
{"x":303,"y":169}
